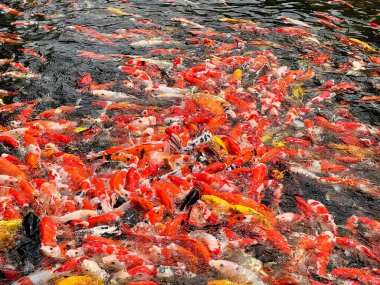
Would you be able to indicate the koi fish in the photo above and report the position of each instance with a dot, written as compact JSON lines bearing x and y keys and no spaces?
{"x":364,"y":45}
{"x":6,"y":93}
{"x":330,"y":18}
{"x":188,"y":22}
{"x":77,"y":280}
{"x":235,"y":272}
{"x":148,"y":43}
{"x":38,"y":277}
{"x":111,"y":96}
{"x":33,"y":53}
{"x":8,"y":41}
{"x":14,"y":75}
{"x":343,"y":3}
{"x":231,"y":20}
{"x":377,"y":26}
{"x":329,"y":24}
{"x":9,"y":10}
{"x":295,"y":22}
{"x":117,"y":11}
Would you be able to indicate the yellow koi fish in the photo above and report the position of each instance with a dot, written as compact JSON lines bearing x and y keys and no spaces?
{"x":238,"y":74}
{"x":216,"y":201}
{"x":8,"y":232}
{"x":298,"y":93}
{"x":278,"y":143}
{"x":267,"y":137}
{"x":246,"y":210}
{"x":224,"y":206}
{"x":353,"y":150}
{"x":80,"y":129}
{"x":80,"y":280}
{"x":364,"y":45}
{"x":223,"y":282}
{"x":230,"y":20}
{"x":218,"y":141}
{"x":117,"y":11}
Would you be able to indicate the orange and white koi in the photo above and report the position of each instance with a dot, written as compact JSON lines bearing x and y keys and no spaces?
{"x":14,"y":75}
{"x":292,"y":31}
{"x":329,"y":24}
{"x":188,"y":22}
{"x":5,"y":61}
{"x":33,"y":53}
{"x":344,"y":3}
{"x":209,"y":240}
{"x":351,"y":244}
{"x":33,"y":151}
{"x":330,"y":18}
{"x":295,"y":22}
{"x":313,"y":209}
{"x":10,"y":11}
{"x":291,"y":116}
{"x":36,"y":278}
{"x":6,"y":93}
{"x":361,"y":275}
{"x":9,"y":41}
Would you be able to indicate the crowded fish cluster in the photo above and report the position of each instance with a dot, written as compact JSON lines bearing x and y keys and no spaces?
{"x":208,"y":159}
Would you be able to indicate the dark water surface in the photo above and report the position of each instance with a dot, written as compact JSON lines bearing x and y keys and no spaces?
{"x":60,"y":45}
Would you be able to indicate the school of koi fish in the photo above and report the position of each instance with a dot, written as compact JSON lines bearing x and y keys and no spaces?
{"x":207,"y":160}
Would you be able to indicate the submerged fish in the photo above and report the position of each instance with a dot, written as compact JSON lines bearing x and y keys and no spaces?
{"x":188,"y":22}
{"x":295,"y":22}
{"x":230,"y":20}
{"x":363,"y":45}
{"x":111,"y":96}
{"x":148,"y":43}
{"x":117,"y":11}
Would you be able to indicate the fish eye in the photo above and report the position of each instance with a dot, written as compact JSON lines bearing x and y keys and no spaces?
{"x":221,"y":265}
